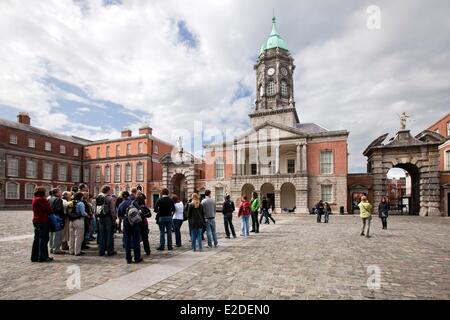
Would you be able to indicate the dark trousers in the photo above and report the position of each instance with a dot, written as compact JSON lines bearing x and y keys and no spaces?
{"x":144,"y":236}
{"x":319,"y":217}
{"x":255,"y":222}
{"x":384,"y":222}
{"x":132,"y":239}
{"x":228,"y":222}
{"x":265,"y":214}
{"x":165,"y":226}
{"x":177,"y":223}
{"x":39,"y":251}
{"x":105,"y":235}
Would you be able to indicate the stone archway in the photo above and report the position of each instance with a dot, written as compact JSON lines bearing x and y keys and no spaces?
{"x":178,"y":185}
{"x":413,"y":197}
{"x":268,"y":191}
{"x":287,"y":196}
{"x":419,"y":156}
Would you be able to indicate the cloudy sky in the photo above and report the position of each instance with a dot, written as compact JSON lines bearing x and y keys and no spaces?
{"x":91,"y":68}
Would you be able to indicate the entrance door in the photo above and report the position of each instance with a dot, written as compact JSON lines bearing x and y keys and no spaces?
{"x":271,"y":198}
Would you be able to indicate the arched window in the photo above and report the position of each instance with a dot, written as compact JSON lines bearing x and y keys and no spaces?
{"x":261,"y":91}
{"x":271,"y":88}
{"x":108,"y":174}
{"x":12,"y":190}
{"x":117,"y":173}
{"x":128,"y":172}
{"x":139,"y":172}
{"x":284,"y":89}
{"x":219,"y":168}
{"x":62,"y":188}
{"x":47,"y":187}
{"x":29,"y":190}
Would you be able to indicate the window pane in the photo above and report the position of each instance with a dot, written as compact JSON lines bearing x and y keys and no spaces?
{"x":13,"y":139}
{"x":291,"y":166}
{"x":271,"y":88}
{"x":48,"y":146}
{"x":62,"y":172}
{"x":140,"y":147}
{"x":75,"y":152}
{"x":97,"y":174}
{"x":75,"y":174}
{"x":140,"y":172}
{"x":48,"y":171}
{"x":86,"y":174}
{"x":219,"y":169}
{"x":108,"y":174}
{"x":31,"y":169}
{"x":117,"y":174}
{"x":31,"y":143}
{"x":128,"y":172}
{"x":219,"y":195}
{"x":326,"y":162}
{"x":12,"y":190}
{"x":284,"y":88}
{"x":29,"y":191}
{"x":62,"y":149}
{"x":13,"y":167}
{"x":326,"y":193}
{"x":448,"y":160}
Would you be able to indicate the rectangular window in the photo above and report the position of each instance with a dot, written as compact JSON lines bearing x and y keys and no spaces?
{"x":326,"y":162}
{"x":108,"y":174}
{"x":117,"y":173}
{"x":31,"y":169}
{"x":219,"y":195}
{"x":448,"y":161}
{"x":98,"y":152}
{"x":62,"y":149}
{"x":128,"y":173}
{"x":326,"y":193}
{"x":12,"y":190}
{"x":128,"y":149}
{"x":291,"y":166}
{"x":107,"y":151}
{"x":48,"y":146}
{"x":156,"y":149}
{"x":253,"y":168}
{"x":86,"y":174}
{"x":31,"y":143}
{"x":13,"y":139}
{"x":219,"y":169}
{"x":62,"y":172}
{"x":140,"y":148}
{"x":76,"y":152}
{"x":75,"y":174}
{"x":118,"y":150}
{"x":448,"y":129}
{"x":98,"y":172}
{"x":13,"y":167}
{"x":29,"y":191}
{"x":140,"y":172}
{"x":48,"y":171}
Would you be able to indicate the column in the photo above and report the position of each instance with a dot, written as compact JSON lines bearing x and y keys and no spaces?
{"x":298,"y":161}
{"x":277,"y":159}
{"x":258,"y":165}
{"x":277,"y":201}
{"x":234,"y":160}
{"x":304,"y":156}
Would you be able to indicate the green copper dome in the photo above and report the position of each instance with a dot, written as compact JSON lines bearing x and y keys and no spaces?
{"x":275,"y":40}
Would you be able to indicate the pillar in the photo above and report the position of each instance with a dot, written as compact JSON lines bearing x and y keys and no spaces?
{"x":297,"y":161}
{"x":277,"y":159}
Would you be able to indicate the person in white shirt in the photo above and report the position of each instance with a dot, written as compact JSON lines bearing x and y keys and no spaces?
{"x":178,"y":218}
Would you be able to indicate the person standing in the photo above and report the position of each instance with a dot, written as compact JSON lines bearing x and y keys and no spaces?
{"x":66,"y":198}
{"x":178,"y":219}
{"x":365,"y":212}
{"x":265,"y":207}
{"x":209,"y":207}
{"x":319,"y":211}
{"x":164,"y":208}
{"x":227,"y":210}
{"x":76,"y":231}
{"x":244,"y":212}
{"x":145,"y":213}
{"x":255,"y":209}
{"x":57,"y":205}
{"x":131,"y":233}
{"x":383,"y":212}
{"x":41,"y":210}
{"x":105,"y":210}
{"x":196,"y":218}
{"x":326,"y":212}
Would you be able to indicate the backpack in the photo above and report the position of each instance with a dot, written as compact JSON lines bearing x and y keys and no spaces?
{"x":102,"y":207}
{"x":133,"y":214}
{"x":56,"y":223}
{"x":72,"y":210}
{"x":246,"y":209}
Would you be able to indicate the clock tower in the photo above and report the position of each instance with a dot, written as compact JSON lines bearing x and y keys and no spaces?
{"x":274,"y":83}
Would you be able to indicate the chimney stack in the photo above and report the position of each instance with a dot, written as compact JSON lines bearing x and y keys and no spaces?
{"x":145,"y":130}
{"x":126,"y":133}
{"x":24,"y":117}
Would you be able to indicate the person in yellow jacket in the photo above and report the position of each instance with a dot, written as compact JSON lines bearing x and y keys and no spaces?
{"x":365,"y":212}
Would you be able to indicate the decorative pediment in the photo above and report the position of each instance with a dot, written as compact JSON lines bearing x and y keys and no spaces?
{"x":430,"y":136}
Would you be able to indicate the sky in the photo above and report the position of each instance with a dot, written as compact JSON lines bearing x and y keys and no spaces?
{"x":92,"y":68}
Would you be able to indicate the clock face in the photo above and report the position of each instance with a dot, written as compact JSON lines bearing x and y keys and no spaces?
{"x":271,"y":71}
{"x":284,"y":71}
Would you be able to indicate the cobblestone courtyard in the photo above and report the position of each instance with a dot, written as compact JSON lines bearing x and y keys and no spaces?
{"x":294,"y":259}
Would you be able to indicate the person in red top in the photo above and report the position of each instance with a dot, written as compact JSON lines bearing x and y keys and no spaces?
{"x":244,"y":213}
{"x":41,"y":210}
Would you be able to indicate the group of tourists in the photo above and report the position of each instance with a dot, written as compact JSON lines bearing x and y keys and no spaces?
{"x":322,"y":209}
{"x":67,"y":222}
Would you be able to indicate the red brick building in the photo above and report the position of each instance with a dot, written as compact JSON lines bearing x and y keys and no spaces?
{"x":31,"y":156}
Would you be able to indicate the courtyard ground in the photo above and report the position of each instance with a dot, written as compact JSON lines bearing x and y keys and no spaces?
{"x":294,"y":259}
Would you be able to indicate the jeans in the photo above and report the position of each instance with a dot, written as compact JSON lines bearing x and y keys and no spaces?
{"x":196,"y":235}
{"x":211,"y":231}
{"x":255,"y":222}
{"x":105,"y":235}
{"x":366,"y":221}
{"x":326,"y":216}
{"x":132,"y":239}
{"x":177,"y":224}
{"x":384,"y":222}
{"x":39,"y":251}
{"x":245,"y":225}
{"x":55,"y":240}
{"x":228,"y":221}
{"x":319,"y":217}
{"x":165,"y":225}
{"x":265,"y":214}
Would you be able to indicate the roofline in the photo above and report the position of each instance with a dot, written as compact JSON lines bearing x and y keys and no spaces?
{"x":435,"y":123}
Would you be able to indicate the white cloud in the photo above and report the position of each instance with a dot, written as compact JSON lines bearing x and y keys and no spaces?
{"x":347,"y":77}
